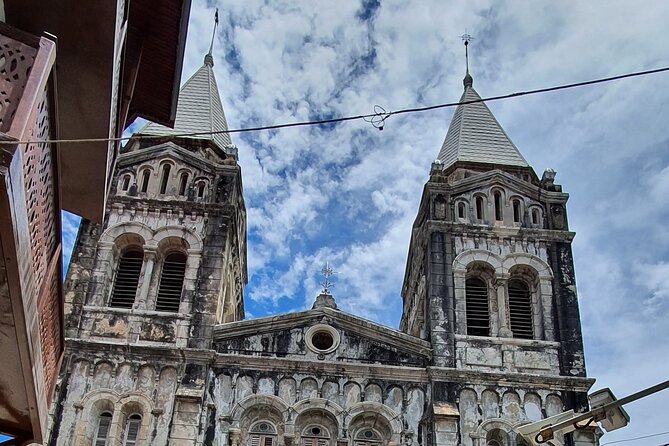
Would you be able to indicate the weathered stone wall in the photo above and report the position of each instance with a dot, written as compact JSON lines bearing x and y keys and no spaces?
{"x":120,"y":384}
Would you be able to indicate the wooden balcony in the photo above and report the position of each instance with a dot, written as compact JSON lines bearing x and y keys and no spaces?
{"x":31,"y":331}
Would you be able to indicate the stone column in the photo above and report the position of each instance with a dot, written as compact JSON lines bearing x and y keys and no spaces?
{"x":501,"y":282}
{"x":141,"y":301}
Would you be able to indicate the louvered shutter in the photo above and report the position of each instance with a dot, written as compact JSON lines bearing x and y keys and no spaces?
{"x":477,"y":307}
{"x":520,"y":310}
{"x":268,"y":440}
{"x":127,"y":279}
{"x":131,"y":432}
{"x":171,"y":283}
{"x":103,"y":430}
{"x":255,"y":440}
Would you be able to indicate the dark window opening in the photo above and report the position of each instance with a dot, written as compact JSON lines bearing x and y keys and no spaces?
{"x":127,"y":279}
{"x":315,"y":436}
{"x":182,"y":183}
{"x":520,"y":309}
{"x":477,"y":307}
{"x":535,"y":216}
{"x":498,"y":206}
{"x":126,"y":183}
{"x":145,"y":181}
{"x":200,"y":190}
{"x":322,"y":340}
{"x":102,"y":434}
{"x":171,"y":283}
{"x":165,"y":178}
{"x":479,"y":208}
{"x":461,"y":210}
{"x":516,"y":211}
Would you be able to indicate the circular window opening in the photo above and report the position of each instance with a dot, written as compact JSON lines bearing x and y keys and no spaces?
{"x":368,"y":434}
{"x":315,"y":430}
{"x":322,"y":340}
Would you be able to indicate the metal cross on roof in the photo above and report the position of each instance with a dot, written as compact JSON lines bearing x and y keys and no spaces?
{"x":466,"y":38}
{"x":327,"y":272}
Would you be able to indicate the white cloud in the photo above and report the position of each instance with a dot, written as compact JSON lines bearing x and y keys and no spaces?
{"x":349,"y":194}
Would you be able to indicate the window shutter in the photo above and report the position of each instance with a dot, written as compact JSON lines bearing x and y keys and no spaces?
{"x":127,"y":279}
{"x":132,"y":430}
{"x":268,"y":441}
{"x":171,"y":283}
{"x":520,"y":310}
{"x":103,"y":430}
{"x":477,"y":307}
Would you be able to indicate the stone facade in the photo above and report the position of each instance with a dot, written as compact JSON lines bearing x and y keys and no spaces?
{"x":201,"y":375}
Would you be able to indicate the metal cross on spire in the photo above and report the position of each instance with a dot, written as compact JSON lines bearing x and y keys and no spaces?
{"x":466,"y":38}
{"x":327,"y":272}
{"x":213,"y":35}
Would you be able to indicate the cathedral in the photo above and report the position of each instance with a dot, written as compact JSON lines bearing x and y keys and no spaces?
{"x":158,"y":351}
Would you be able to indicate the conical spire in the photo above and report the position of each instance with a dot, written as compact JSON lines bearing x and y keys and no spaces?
{"x":199,"y":109}
{"x":474,"y":134}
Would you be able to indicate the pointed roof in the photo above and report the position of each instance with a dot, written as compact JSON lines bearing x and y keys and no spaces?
{"x":199,"y":109}
{"x":475,"y":135}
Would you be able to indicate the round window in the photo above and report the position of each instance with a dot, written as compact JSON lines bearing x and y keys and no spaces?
{"x":322,"y":339}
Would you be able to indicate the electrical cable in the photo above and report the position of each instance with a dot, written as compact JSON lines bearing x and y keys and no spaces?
{"x":636,"y":438}
{"x":377,"y":119}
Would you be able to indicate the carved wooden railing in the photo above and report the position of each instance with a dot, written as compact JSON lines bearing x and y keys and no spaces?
{"x":30,"y":213}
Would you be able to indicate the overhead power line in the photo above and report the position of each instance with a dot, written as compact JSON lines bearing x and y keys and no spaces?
{"x":377,"y":118}
{"x":636,"y":438}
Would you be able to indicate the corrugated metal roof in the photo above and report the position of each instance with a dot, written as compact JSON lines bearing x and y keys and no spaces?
{"x":199,"y":109}
{"x":475,"y":136}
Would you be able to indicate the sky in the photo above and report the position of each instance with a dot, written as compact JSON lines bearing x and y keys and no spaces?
{"x":348,"y":193}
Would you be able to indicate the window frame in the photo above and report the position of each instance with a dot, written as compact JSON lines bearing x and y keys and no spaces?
{"x":96,"y":440}
{"x":121,"y":268}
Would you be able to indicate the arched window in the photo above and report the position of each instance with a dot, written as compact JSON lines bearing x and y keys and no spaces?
{"x":520,"y":309}
{"x":171,"y":283}
{"x":102,"y":430}
{"x":132,"y":430}
{"x":315,"y":436}
{"x":498,"y":206}
{"x":535,"y":216}
{"x":145,"y":180}
{"x":516,"y":211}
{"x":165,"y":178}
{"x":125,"y":183}
{"x":262,"y":434}
{"x":477,"y":307}
{"x":479,"y":208}
{"x":461,"y":210}
{"x":200,"y":190}
{"x":367,"y":437}
{"x":183,"y":181}
{"x":127,"y":279}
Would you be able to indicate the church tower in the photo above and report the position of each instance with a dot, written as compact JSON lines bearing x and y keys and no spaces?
{"x":490,"y":284}
{"x":146,"y":287}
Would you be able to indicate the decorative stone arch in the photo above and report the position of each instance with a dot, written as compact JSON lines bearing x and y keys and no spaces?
{"x":255,"y":408}
{"x":521,"y":208}
{"x":318,"y":403}
{"x":461,"y":265}
{"x":123,"y":232}
{"x":317,"y":412}
{"x":376,"y":415}
{"x":541,"y":290}
{"x":135,"y":403}
{"x":486,"y":201}
{"x":489,"y":428}
{"x":91,"y":406}
{"x":193,"y":240}
{"x":255,"y":401}
{"x":520,"y":258}
{"x":467,"y":208}
{"x":476,"y":255}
